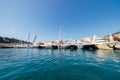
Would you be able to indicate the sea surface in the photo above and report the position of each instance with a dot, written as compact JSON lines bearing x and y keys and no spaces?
{"x":47,"y":64}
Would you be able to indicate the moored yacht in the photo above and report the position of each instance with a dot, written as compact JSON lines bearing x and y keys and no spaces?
{"x":105,"y":44}
{"x":99,"y":43}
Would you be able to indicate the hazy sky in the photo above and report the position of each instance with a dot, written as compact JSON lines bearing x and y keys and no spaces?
{"x":78,"y":18}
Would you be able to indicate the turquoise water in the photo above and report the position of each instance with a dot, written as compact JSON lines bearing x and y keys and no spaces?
{"x":36,"y":64}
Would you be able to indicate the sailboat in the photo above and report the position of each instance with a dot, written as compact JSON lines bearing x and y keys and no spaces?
{"x":58,"y":44}
{"x":71,"y":45}
{"x":62,"y":45}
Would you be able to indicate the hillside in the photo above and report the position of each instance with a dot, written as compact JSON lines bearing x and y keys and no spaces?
{"x":11,"y":40}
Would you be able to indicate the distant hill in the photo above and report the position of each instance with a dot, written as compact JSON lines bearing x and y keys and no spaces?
{"x":116,"y":36}
{"x":12,"y":40}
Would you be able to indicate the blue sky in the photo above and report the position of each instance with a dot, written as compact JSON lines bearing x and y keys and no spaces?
{"x":78,"y":18}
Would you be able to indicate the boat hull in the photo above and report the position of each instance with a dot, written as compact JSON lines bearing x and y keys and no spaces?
{"x":71,"y":47}
{"x":90,"y":47}
{"x":104,"y":46}
{"x":117,"y":47}
{"x":109,"y":45}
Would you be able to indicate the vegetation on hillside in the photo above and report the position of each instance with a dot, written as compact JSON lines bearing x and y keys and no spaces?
{"x":11,"y":40}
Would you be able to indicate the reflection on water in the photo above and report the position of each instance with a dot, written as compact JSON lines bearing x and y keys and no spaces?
{"x":109,"y":54}
{"x":47,"y":64}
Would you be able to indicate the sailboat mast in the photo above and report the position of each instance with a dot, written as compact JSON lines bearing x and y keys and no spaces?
{"x":29,"y":37}
{"x":35,"y":39}
{"x":94,"y":37}
{"x":60,"y":34}
{"x":60,"y":37}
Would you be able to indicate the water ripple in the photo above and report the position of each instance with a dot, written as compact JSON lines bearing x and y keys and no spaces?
{"x":36,"y":64}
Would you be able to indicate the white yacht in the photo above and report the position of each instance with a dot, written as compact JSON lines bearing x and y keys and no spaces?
{"x":104,"y":44}
{"x":99,"y":43}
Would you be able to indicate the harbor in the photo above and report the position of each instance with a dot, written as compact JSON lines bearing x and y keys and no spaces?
{"x":89,"y":43}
